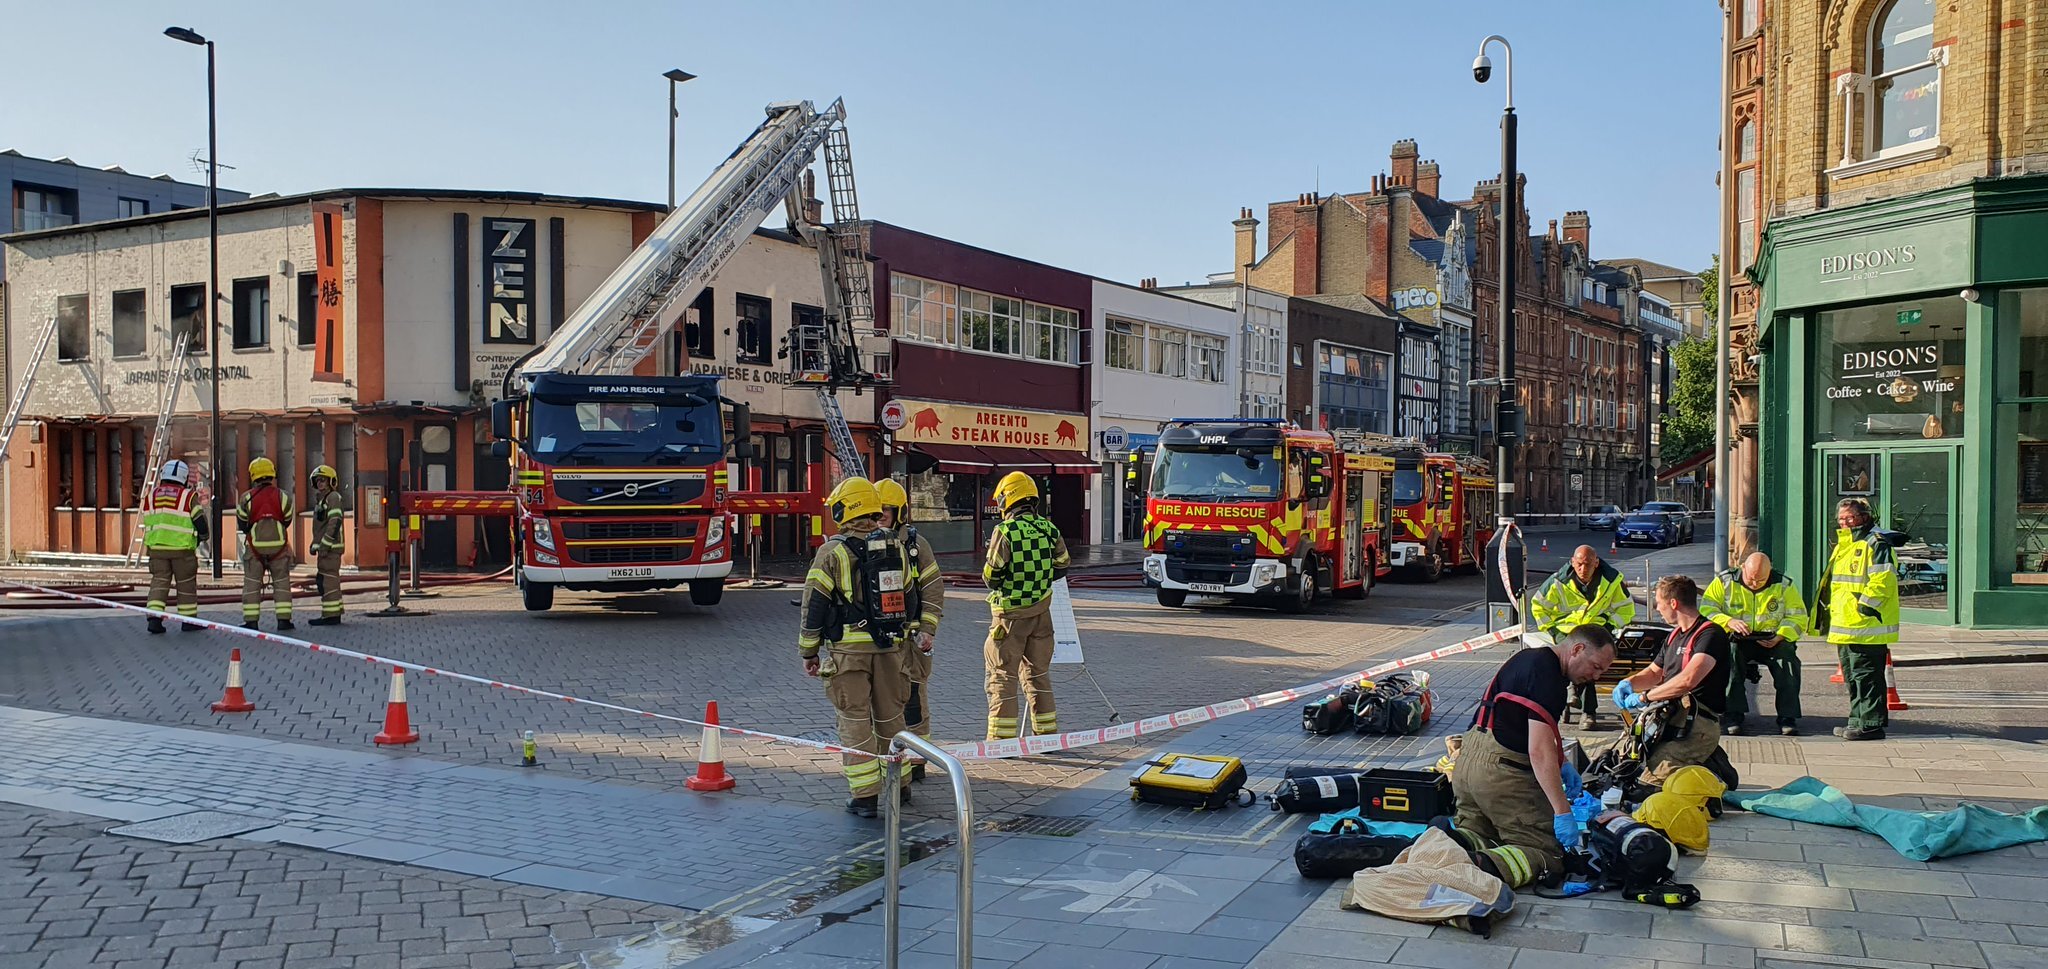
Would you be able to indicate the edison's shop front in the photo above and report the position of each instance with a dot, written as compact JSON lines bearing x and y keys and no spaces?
{"x":1906,"y":363}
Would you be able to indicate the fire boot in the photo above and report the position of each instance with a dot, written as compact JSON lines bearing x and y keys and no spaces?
{"x":190,"y":627}
{"x":863,"y":807}
{"x":156,"y":625}
{"x":324,"y":621}
{"x":286,"y":625}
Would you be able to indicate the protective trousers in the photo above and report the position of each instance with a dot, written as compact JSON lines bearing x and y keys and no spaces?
{"x":1665,"y":757}
{"x":278,"y":570}
{"x":180,"y":567}
{"x":1020,"y":640}
{"x":1782,"y":661}
{"x":1502,"y":811}
{"x":329,"y":564}
{"x":1863,"y":674}
{"x":869,"y":690}
{"x":917,"y":708}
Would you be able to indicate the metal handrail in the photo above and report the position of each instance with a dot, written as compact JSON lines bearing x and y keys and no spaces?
{"x":892,"y":845}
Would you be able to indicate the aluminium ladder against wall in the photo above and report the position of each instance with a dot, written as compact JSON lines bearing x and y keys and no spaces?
{"x":160,"y":438}
{"x":28,"y":383}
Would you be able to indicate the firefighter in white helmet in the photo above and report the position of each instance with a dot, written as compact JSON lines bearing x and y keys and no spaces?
{"x":931,"y":588}
{"x":860,"y":610}
{"x":173,"y":525}
{"x":329,"y":522}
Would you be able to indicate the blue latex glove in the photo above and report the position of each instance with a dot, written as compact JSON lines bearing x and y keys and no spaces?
{"x":1572,"y":783}
{"x":1566,"y":828}
{"x":1622,"y":691}
{"x":1634,"y":701}
{"x":1585,"y":807}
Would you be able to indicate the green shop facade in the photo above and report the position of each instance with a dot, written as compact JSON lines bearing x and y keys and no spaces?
{"x":1905,"y":362}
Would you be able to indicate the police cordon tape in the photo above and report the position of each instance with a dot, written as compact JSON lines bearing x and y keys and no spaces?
{"x":984,"y":750}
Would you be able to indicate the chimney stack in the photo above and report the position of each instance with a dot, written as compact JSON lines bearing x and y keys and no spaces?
{"x":1404,"y":156}
{"x":1427,"y":178}
{"x":1247,"y":242}
{"x":814,"y":210}
{"x":1578,"y":227}
{"x":1149,"y":282}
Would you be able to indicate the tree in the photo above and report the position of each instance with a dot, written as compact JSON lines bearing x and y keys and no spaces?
{"x":1710,"y":291}
{"x":1689,"y":423}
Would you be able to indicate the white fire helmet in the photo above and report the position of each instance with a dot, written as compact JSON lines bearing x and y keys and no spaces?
{"x":175,"y":470}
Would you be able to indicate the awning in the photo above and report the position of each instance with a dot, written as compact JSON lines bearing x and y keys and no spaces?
{"x":962,"y":459}
{"x":958,"y":458}
{"x":1069,"y":462}
{"x":1697,"y":459}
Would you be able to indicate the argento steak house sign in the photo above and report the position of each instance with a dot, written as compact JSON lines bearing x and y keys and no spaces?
{"x":934,"y":422}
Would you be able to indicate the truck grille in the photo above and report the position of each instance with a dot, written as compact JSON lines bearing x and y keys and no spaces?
{"x":672,"y":528}
{"x":581,"y":489}
{"x":1213,"y":549}
{"x":627,"y":554}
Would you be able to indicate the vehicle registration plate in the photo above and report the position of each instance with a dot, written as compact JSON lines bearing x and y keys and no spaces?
{"x":1206,"y":586}
{"x":641,"y":572}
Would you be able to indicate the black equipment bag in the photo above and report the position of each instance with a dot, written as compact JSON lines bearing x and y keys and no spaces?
{"x":1330,"y":715}
{"x":1340,"y":854}
{"x":1396,"y":704}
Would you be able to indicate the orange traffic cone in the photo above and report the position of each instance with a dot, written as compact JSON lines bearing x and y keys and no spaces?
{"x":233,"y":700}
{"x":397,"y":724}
{"x":1546,"y":545}
{"x":1837,"y":678}
{"x":1891,"y":686}
{"x":1612,"y":548}
{"x":711,"y":775}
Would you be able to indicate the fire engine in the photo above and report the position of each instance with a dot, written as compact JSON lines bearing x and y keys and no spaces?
{"x":1266,"y":511}
{"x":620,"y":480}
{"x":1444,"y":511}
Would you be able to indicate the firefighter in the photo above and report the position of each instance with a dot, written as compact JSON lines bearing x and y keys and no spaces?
{"x":1512,"y":775}
{"x":1025,"y":556}
{"x":1586,"y":590}
{"x":1693,"y":670}
{"x":1859,"y":612}
{"x":328,"y":522}
{"x":265,"y":513}
{"x":860,"y":607}
{"x":172,"y":527}
{"x":931,"y":589}
{"x":1761,"y":609}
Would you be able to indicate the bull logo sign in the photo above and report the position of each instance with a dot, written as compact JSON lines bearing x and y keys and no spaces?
{"x":1065,"y":433}
{"x":925,"y":420}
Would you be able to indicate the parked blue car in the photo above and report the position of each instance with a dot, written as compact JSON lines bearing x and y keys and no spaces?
{"x":1647,"y":528}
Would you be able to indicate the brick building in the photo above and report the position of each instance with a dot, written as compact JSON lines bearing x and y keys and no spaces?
{"x":1889,"y":298}
{"x":1433,"y":263}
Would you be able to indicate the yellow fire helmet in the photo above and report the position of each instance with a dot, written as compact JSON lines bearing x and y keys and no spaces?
{"x":1015,"y":487}
{"x":1695,"y":781}
{"x":1682,"y":818}
{"x":324,"y":471}
{"x":261,"y":468}
{"x":893,"y":495}
{"x":853,"y":498}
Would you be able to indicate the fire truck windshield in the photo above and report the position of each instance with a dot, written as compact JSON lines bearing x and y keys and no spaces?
{"x":620,"y":432}
{"x":1407,"y":487}
{"x":1240,"y":474}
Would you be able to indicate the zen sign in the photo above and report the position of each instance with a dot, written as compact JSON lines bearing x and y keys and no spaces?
{"x":508,"y":280}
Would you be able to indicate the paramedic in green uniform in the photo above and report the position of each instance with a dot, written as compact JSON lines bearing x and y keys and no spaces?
{"x":1586,"y":590}
{"x":1025,"y":556}
{"x":1761,"y":609}
{"x":1861,"y":595}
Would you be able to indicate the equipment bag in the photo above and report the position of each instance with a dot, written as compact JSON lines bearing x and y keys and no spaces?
{"x":1399,"y":704}
{"x":1391,"y":794}
{"x":1342,"y":854}
{"x":1318,"y":790}
{"x":1202,"y":782}
{"x":1330,"y":715}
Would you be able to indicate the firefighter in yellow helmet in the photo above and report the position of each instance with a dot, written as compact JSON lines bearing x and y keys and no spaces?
{"x":265,"y":516}
{"x":861,"y":609}
{"x":329,"y":521}
{"x":931,"y":590}
{"x":1025,"y":556}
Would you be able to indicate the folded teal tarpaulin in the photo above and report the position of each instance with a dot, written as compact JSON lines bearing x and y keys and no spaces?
{"x":1919,"y":835}
{"x":1392,"y":829}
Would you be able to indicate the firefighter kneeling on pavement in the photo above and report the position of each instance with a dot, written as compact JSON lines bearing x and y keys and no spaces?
{"x":931,"y":591}
{"x":328,"y":520}
{"x":266,"y":513}
{"x":172,"y":528}
{"x":861,"y":607}
{"x":1690,"y":674}
{"x":1512,"y":777}
{"x":1026,"y":555}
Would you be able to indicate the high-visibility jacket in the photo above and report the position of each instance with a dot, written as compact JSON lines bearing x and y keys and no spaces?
{"x":266,"y":513}
{"x":1774,"y":610}
{"x":1025,"y":555}
{"x":835,"y":594}
{"x":167,"y":526}
{"x":1862,"y":590}
{"x":328,"y":521}
{"x":1560,"y":605}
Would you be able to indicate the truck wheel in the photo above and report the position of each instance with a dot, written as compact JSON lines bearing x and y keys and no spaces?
{"x":1173,"y":598}
{"x":538,"y":596}
{"x":1305,"y":596}
{"x":1433,"y":567}
{"x":707,"y":592}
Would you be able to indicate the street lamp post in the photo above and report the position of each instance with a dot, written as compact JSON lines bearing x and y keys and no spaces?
{"x":1506,"y":553}
{"x":189,"y":36}
{"x":675,"y":77}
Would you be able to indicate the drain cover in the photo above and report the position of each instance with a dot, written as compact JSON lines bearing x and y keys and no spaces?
{"x":197,"y":826}
{"x":1035,"y":824}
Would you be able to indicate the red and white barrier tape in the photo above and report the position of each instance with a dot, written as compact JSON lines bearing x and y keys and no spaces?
{"x":986,"y":750}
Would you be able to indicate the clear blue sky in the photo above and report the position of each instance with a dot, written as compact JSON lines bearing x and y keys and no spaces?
{"x":1116,"y":138}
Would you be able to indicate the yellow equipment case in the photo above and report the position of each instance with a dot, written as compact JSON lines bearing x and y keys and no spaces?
{"x":1202,"y":782}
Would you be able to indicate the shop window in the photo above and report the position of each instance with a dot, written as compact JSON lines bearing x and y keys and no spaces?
{"x":138,"y":455}
{"x":943,"y":506}
{"x":89,"y":492}
{"x":116,"y":469}
{"x":285,"y":455}
{"x":252,"y":313}
{"x":316,"y":447}
{"x":74,"y":328}
{"x":2028,"y":310}
{"x":755,"y":321}
{"x":188,"y":311}
{"x":131,"y":325}
{"x":66,"y":479}
{"x":308,"y":325}
{"x":1890,"y":371}
{"x":345,"y":463}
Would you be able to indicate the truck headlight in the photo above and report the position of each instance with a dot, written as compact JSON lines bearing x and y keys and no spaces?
{"x":543,"y":533}
{"x":716,"y":533}
{"x":1263,"y":573}
{"x":545,"y":559}
{"x":1155,"y":568}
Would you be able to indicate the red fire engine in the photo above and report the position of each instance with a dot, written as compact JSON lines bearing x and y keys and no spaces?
{"x":1444,"y":511}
